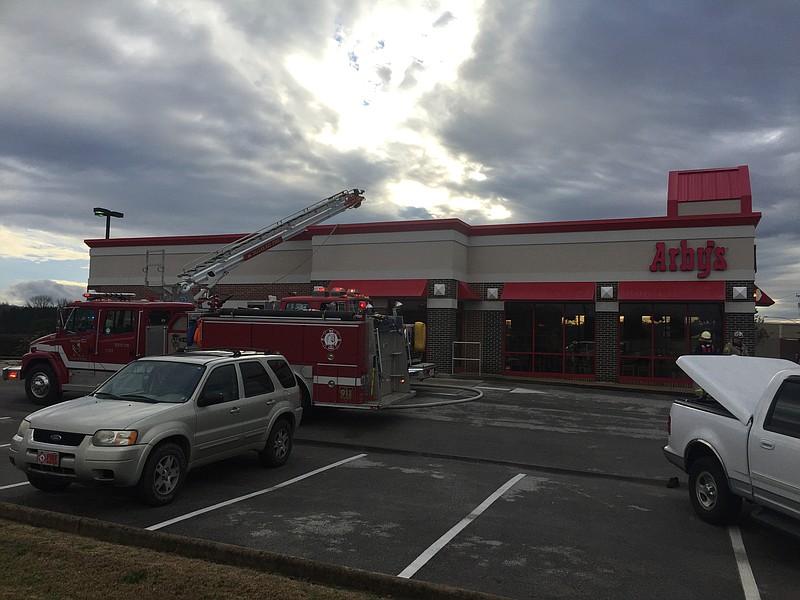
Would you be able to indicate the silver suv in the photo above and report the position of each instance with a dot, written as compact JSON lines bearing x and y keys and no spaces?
{"x":158,"y":417}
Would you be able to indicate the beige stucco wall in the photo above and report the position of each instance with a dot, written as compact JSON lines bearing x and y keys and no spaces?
{"x":569,"y":256}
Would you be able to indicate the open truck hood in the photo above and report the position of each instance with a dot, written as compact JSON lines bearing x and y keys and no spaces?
{"x":736,"y":382}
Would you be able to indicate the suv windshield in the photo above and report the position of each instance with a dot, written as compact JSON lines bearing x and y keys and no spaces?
{"x":153,"y":381}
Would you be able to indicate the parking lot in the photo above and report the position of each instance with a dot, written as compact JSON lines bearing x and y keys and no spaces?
{"x":531,"y":491}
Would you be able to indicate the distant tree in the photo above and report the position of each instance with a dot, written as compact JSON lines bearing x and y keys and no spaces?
{"x":761,"y":333}
{"x":40,"y":301}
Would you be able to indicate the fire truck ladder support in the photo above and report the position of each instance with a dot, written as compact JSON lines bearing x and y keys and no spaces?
{"x":212,"y":267}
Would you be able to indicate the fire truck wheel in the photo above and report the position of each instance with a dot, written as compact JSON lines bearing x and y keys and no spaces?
{"x":41,"y":385}
{"x":279,"y":445}
{"x":163,"y":475}
{"x":305,"y":402}
{"x":45,"y":484}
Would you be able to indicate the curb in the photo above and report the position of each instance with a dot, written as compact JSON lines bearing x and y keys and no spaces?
{"x":237,"y":556}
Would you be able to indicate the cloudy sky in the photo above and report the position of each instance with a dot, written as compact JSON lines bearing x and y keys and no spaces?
{"x":195,"y":117}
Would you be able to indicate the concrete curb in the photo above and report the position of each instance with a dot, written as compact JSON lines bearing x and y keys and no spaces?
{"x":237,"y":556}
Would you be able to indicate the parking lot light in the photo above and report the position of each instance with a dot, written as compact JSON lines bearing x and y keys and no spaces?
{"x":104,"y":212}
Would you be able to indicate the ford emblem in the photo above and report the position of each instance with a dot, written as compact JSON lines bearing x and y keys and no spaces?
{"x":55,"y":438}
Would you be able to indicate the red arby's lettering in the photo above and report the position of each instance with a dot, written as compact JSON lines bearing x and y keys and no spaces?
{"x":703,"y":259}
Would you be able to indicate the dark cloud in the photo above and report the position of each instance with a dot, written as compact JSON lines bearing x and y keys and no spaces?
{"x":573,"y":110}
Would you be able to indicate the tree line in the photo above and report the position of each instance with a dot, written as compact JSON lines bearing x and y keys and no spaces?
{"x":19,"y":325}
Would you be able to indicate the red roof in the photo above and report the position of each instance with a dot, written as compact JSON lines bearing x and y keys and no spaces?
{"x":671,"y":290}
{"x":709,"y":184}
{"x":559,"y":290}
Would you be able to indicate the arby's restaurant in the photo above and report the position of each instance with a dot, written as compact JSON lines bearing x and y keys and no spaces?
{"x":614,"y":300}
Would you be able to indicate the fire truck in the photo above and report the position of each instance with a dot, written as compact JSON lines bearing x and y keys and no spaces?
{"x":341,"y":358}
{"x":323,"y":299}
{"x":96,"y":337}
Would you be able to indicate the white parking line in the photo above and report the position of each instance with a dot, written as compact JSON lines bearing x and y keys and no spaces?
{"x":496,"y":389}
{"x":745,"y":572}
{"x":423,"y":558}
{"x":253,"y":494}
{"x":4,"y":445}
{"x":13,"y":485}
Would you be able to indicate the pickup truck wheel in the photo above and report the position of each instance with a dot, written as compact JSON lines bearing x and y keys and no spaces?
{"x":47,"y":484}
{"x":711,"y":497}
{"x":279,"y":445}
{"x":163,"y":475}
{"x":41,"y":385}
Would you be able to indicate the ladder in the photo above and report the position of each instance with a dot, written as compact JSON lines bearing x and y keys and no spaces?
{"x":210,"y":268}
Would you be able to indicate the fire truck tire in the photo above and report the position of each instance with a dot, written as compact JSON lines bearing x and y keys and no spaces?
{"x":46,"y":484}
{"x":305,"y":401}
{"x":279,"y":445}
{"x":41,"y":385}
{"x":163,"y":475}
{"x":419,"y":336}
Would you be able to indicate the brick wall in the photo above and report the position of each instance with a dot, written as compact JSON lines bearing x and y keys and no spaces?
{"x":744,"y":322}
{"x":441,"y":331}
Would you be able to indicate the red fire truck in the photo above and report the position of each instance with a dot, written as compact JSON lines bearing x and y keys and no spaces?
{"x":362,"y":361}
{"x":343,"y":359}
{"x":322,"y":299}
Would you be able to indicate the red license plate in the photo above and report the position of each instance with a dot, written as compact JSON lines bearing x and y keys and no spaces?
{"x":48,"y":458}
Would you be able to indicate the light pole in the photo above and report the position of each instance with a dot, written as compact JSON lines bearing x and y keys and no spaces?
{"x":104,"y":212}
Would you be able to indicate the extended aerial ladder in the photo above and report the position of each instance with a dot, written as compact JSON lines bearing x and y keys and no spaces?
{"x":209,"y":269}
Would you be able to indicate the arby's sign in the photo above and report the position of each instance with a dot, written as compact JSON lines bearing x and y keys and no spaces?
{"x":684,"y":257}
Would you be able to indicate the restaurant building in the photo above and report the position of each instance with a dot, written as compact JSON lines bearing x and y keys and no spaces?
{"x":615,"y":300}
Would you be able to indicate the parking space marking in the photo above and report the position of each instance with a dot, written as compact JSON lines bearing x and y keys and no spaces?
{"x":745,"y":572}
{"x":4,"y":445}
{"x":13,"y":485}
{"x":208,"y":509}
{"x":434,"y":548}
{"x":496,"y":389}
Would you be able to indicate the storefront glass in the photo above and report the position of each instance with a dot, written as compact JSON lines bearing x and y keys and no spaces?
{"x":652,"y":336}
{"x":549,"y":338}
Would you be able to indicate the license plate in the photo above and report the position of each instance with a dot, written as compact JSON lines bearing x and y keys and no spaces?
{"x":48,"y":458}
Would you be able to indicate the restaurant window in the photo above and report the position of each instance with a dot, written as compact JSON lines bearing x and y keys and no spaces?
{"x":652,"y":336}
{"x":549,"y":338}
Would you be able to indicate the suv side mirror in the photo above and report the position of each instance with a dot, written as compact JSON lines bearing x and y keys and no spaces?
{"x":209,"y":398}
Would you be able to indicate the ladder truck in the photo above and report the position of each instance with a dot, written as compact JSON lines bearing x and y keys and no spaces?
{"x":349,"y":360}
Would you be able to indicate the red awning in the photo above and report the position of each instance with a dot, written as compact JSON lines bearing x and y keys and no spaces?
{"x":386,"y":288}
{"x":672,"y":290}
{"x":572,"y":290}
{"x":465,"y":292}
{"x":762,"y":299}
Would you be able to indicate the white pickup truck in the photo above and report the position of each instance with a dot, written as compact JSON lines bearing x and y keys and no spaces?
{"x":742,"y":440}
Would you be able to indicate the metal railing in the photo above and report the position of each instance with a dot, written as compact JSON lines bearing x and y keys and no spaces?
{"x":466,"y":359}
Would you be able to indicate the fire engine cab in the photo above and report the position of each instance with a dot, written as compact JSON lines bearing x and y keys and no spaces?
{"x":95,"y":338}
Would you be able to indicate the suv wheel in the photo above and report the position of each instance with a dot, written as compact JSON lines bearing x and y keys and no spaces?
{"x":279,"y":445}
{"x":163,"y":475}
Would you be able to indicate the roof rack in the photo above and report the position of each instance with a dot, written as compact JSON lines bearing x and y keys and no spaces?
{"x":233,"y":351}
